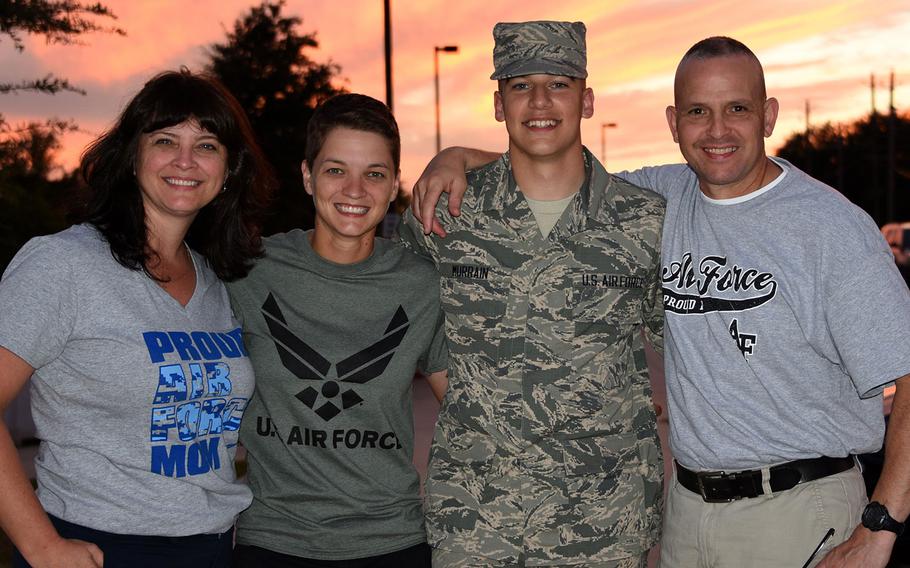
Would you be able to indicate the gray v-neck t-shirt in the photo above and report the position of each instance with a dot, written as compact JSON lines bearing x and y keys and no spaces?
{"x":137,"y":400}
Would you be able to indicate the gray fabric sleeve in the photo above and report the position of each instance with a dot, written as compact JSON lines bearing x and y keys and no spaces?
{"x":659,"y":179}
{"x":867,"y":309}
{"x":410,"y":234}
{"x":37,"y":303}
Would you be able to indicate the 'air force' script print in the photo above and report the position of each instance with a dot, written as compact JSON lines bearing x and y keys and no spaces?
{"x":710,"y":285}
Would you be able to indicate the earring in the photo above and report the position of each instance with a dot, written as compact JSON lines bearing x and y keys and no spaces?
{"x":224,"y":187}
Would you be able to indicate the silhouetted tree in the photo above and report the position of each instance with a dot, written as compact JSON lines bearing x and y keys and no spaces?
{"x":853,"y":158}
{"x":265,"y":64}
{"x":30,"y":202}
{"x":59,"y":21}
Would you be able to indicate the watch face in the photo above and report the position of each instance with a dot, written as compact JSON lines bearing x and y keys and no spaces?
{"x":874,"y":516}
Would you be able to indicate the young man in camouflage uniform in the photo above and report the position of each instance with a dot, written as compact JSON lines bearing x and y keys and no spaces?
{"x":785,"y":319}
{"x":546,"y":451}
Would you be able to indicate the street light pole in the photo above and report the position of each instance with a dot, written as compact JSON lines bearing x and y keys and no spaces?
{"x":603,"y":141}
{"x":387,"y":14}
{"x":436,"y":50}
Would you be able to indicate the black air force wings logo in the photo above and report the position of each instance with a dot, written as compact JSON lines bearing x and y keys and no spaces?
{"x":307,"y":364}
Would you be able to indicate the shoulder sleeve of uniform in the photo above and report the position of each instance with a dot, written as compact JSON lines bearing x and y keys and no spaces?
{"x":483,"y":184}
{"x":410,"y":235}
{"x":638,"y":205}
{"x":477,"y":196}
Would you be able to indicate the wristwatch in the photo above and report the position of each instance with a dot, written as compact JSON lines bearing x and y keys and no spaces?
{"x":876,"y":518}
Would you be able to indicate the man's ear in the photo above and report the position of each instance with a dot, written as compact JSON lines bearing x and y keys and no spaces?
{"x":587,"y":103}
{"x":671,"y":122}
{"x":498,"y":111}
{"x":771,"y":109}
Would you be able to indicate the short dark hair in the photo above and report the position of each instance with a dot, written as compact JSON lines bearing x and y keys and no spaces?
{"x":354,"y":111}
{"x":718,"y":46}
{"x":226,"y":231}
{"x":722,"y":46}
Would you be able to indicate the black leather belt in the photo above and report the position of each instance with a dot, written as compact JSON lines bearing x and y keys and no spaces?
{"x":722,"y":487}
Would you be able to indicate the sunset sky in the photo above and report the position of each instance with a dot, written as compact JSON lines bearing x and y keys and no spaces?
{"x":818,"y":51}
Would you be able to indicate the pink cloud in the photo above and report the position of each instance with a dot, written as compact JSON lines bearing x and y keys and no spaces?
{"x":633,"y":50}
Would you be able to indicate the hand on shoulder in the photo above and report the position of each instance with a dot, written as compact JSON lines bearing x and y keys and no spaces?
{"x":445,"y":174}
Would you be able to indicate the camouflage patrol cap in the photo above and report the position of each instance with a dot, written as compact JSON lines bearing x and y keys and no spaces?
{"x":527,"y":48}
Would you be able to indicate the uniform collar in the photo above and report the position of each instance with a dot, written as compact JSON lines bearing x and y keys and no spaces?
{"x":500,"y":198}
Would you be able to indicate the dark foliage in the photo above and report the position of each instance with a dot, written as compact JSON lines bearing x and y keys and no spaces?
{"x":264,"y":63}
{"x":854,"y":159}
{"x":33,"y":191}
{"x":59,"y":21}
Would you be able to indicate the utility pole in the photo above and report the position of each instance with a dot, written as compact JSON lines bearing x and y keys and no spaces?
{"x":810,"y":151}
{"x":872,"y":90}
{"x":603,"y":141}
{"x":387,"y":13}
{"x":436,"y":50}
{"x":892,"y":154}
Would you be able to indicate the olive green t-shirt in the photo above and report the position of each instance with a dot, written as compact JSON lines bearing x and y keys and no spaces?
{"x":329,"y":430}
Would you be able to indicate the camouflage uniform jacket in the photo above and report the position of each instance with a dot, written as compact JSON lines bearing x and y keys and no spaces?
{"x":546,"y":448}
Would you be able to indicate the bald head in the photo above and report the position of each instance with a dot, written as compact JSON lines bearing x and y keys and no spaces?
{"x":721,"y":116}
{"x":719,"y":46}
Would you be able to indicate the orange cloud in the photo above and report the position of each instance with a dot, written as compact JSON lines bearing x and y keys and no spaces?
{"x":814,"y":50}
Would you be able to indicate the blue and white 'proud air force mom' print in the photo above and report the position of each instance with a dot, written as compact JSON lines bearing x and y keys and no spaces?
{"x":192,"y":404}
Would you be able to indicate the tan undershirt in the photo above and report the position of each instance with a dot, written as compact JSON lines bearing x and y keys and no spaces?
{"x":547,"y":213}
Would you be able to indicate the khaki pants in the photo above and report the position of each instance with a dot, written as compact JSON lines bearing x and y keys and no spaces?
{"x":779,"y":530}
{"x":457,"y":559}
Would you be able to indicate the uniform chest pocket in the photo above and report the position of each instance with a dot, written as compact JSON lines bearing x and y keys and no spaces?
{"x":605,"y":321}
{"x":474,"y":299}
{"x":595,"y":306}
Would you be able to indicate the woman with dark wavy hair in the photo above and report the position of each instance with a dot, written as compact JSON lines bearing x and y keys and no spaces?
{"x":122,"y":328}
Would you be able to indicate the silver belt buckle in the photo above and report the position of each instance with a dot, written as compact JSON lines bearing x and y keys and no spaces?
{"x":713,"y":497}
